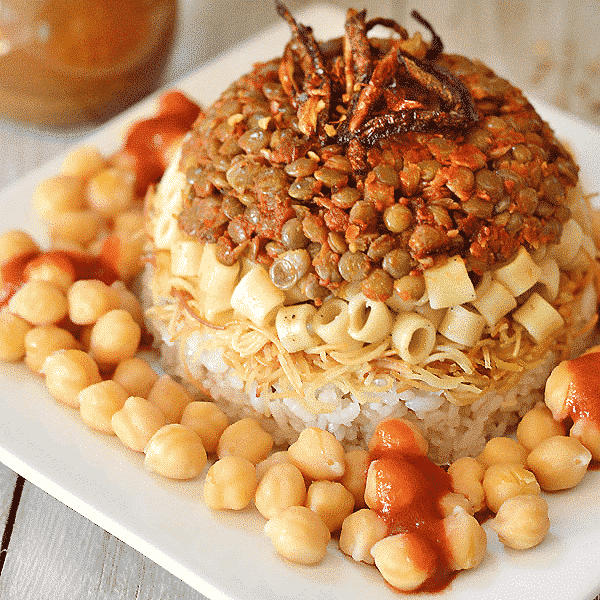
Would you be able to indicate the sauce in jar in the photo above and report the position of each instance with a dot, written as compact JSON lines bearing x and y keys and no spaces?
{"x":64,"y":63}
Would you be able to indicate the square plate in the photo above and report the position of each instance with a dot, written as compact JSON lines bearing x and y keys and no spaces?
{"x":224,"y":554}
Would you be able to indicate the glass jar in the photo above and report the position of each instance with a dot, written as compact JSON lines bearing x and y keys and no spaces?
{"x":66,"y":62}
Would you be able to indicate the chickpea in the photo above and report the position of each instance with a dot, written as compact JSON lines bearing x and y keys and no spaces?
{"x":99,"y":402}
{"x":399,"y":435}
{"x":273,"y":459}
{"x":331,"y":500}
{"x":89,"y":299}
{"x":84,"y":162}
{"x":129,"y":223}
{"x":41,"y":342}
{"x":318,"y":454}
{"x":536,"y":425}
{"x":128,"y":301}
{"x":354,"y":479}
{"x":80,"y":226}
{"x":360,"y":531}
{"x":136,"y":376}
{"x":13,"y":331}
{"x":56,"y":270}
{"x":207,"y":420}
{"x":59,"y":194}
{"x":115,"y":336}
{"x":111,"y":191}
{"x":39,"y":303}
{"x":559,"y":462}
{"x":557,"y":388}
{"x":588,"y":433}
{"x":136,"y":422}
{"x":466,"y":540}
{"x":170,"y":397}
{"x":123,"y":254}
{"x":299,"y":535}
{"x":15,"y":243}
{"x":466,"y":475}
{"x":67,"y":373}
{"x":176,"y":452}
{"x":522,"y":521}
{"x":505,"y":480}
{"x":502,"y":449}
{"x":281,"y":486}
{"x":230,"y":483}
{"x":245,"y":438}
{"x":452,"y":502}
{"x":405,"y":560}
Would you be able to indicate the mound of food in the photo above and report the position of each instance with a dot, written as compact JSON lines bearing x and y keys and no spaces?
{"x":370,"y":228}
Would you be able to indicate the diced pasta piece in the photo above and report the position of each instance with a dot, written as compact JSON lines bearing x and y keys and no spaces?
{"x":435,"y":315}
{"x":256,"y":298}
{"x":185,"y":258}
{"x":569,"y":244}
{"x":217,"y":281}
{"x":549,"y":279}
{"x":370,"y":320}
{"x":587,"y":252}
{"x":449,"y":284}
{"x":413,"y":336}
{"x":462,"y":326}
{"x":331,"y":324}
{"x":293,"y":325}
{"x":496,"y":302}
{"x":520,"y":274}
{"x":538,"y":317}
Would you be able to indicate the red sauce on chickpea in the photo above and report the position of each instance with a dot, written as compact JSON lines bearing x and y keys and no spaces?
{"x":583,"y":396}
{"x":408,"y":493}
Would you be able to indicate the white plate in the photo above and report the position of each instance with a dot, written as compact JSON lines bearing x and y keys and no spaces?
{"x":225,"y":555}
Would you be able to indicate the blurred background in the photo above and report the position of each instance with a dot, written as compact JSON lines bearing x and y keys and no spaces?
{"x":549,"y":48}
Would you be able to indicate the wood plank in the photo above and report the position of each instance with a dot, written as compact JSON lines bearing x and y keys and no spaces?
{"x":8,"y":479}
{"x":56,"y":553}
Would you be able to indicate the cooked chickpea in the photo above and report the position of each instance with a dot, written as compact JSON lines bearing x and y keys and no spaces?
{"x":559,"y":462}
{"x":68,"y":372}
{"x":318,"y":454}
{"x":522,"y":521}
{"x":505,"y":480}
{"x":39,"y":303}
{"x":115,"y":336}
{"x":89,"y":299}
{"x":111,"y":191}
{"x":15,"y":242}
{"x":354,"y":478}
{"x":207,"y":420}
{"x":245,"y":438}
{"x":176,"y":452}
{"x":59,"y":194}
{"x":170,"y":397}
{"x":360,"y":531}
{"x":128,"y":301}
{"x":83,"y":161}
{"x":230,"y":483}
{"x":13,"y":331}
{"x":399,"y":435}
{"x":42,"y":341}
{"x":56,"y":270}
{"x":466,"y":540}
{"x":80,"y":226}
{"x":588,"y":433}
{"x":273,"y":459}
{"x":281,"y":486}
{"x":136,"y":422}
{"x":299,"y":535}
{"x":536,"y":425}
{"x":136,"y":376}
{"x":452,"y":502}
{"x":99,"y":402}
{"x":557,"y":388}
{"x":466,"y":475}
{"x":502,"y":449}
{"x":129,"y":223}
{"x":331,"y":500}
{"x":404,"y":560}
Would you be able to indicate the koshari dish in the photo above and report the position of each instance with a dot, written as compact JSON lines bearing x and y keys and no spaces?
{"x":370,"y":228}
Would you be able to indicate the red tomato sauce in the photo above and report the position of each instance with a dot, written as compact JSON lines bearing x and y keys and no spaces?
{"x":583,"y":396}
{"x":408,"y":492}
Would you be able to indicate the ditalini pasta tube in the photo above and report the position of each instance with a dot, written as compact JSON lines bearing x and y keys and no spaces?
{"x":185,"y":258}
{"x":549,"y":279}
{"x":293,"y":325}
{"x":217,"y":281}
{"x":449,"y":284}
{"x":520,"y":274}
{"x":570,"y":242}
{"x":494,"y":303}
{"x":370,"y":320}
{"x":331,"y":324}
{"x":462,"y":326}
{"x":539,"y":317}
{"x":413,"y":337}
